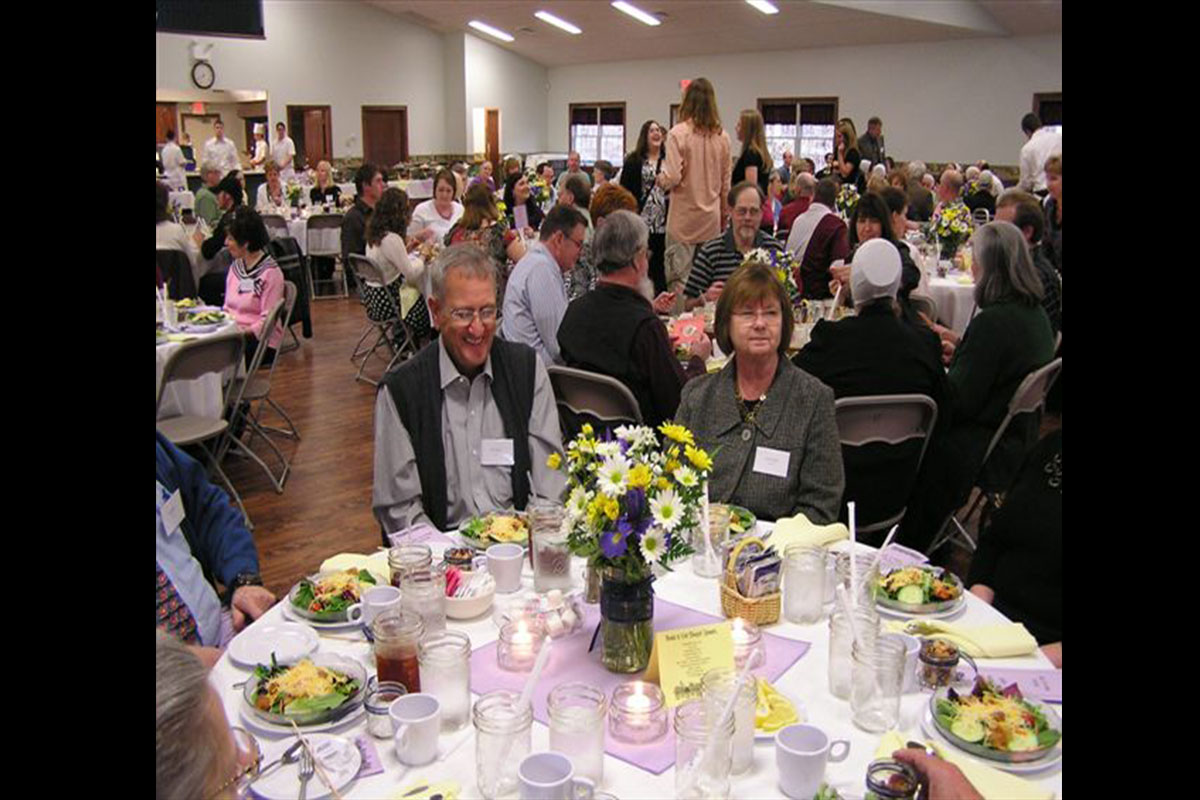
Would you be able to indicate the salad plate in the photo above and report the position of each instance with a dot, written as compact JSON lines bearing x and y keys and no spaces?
{"x":338,"y":756}
{"x":293,"y":614}
{"x":330,"y":597}
{"x":741,"y":521}
{"x":288,"y":641}
{"x":326,"y":688}
{"x":998,"y":726}
{"x":919,"y":591}
{"x":498,"y":527}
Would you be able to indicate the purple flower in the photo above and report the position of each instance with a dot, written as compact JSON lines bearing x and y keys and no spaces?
{"x":635,"y":504}
{"x":613,"y":544}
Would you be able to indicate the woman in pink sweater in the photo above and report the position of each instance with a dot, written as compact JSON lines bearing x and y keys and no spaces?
{"x":254,"y":284}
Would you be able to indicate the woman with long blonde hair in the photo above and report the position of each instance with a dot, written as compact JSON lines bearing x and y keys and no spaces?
{"x":696,"y":173}
{"x":755,"y":163}
{"x":847,"y":159}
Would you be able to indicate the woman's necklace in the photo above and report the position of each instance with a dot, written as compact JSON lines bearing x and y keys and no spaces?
{"x":749,"y":410}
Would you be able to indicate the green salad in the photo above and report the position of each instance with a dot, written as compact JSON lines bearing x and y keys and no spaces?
{"x":995,"y":719}
{"x":301,"y":689}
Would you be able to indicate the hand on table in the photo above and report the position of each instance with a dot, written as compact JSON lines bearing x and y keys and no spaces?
{"x":942,"y":780}
{"x":713,"y":293}
{"x":984,"y":593}
{"x":702,"y":348}
{"x":664,"y":303}
{"x":251,"y":600}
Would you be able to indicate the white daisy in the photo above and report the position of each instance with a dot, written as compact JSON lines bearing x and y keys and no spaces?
{"x":608,"y":450}
{"x":667,"y":509}
{"x":577,"y":503}
{"x":686,"y":477}
{"x":652,"y":545}
{"x":612,"y":474}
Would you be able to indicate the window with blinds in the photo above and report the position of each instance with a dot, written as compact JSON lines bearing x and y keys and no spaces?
{"x":597,"y":131}
{"x":1048,"y":107}
{"x":802,"y":125}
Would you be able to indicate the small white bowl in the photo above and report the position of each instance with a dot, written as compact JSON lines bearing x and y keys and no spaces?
{"x":470,"y":607}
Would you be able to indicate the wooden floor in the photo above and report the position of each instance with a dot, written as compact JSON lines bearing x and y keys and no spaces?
{"x":325,"y":507}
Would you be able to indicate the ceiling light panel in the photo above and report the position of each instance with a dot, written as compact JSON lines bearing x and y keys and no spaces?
{"x":636,"y":13}
{"x":561,"y":24}
{"x":483,"y":27}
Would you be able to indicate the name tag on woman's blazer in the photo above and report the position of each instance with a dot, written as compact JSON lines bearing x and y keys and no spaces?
{"x":769,"y":461}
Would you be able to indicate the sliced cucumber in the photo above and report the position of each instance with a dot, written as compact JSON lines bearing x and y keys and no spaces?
{"x":912,"y":595}
{"x":1022,"y":742}
{"x":968,"y":730}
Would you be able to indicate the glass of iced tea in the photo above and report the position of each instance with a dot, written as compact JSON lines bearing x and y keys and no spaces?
{"x":397,"y":634}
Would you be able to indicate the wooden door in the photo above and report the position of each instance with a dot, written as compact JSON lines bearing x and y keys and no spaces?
{"x":312,"y":133}
{"x":385,"y":135}
{"x":164,"y":120}
{"x":492,"y":140}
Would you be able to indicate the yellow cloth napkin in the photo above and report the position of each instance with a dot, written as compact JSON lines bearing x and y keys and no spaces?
{"x":966,"y":280}
{"x":179,"y":338}
{"x":989,"y":782}
{"x":797,"y":529}
{"x":1004,"y":640}
{"x":376,"y":564}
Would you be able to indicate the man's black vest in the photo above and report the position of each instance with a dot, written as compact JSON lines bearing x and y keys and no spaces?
{"x":416,"y":391}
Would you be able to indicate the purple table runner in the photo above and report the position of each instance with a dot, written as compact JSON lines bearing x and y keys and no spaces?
{"x":570,"y":661}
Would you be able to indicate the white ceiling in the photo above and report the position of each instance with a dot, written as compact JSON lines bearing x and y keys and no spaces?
{"x":704,"y":27}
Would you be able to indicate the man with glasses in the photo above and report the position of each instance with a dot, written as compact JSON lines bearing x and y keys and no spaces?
{"x":462,"y":427}
{"x":717,"y":258}
{"x":536,"y":297}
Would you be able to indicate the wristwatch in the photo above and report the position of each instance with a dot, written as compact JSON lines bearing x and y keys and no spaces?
{"x":242,"y":579}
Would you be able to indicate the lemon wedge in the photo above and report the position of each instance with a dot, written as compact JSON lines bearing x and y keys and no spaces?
{"x":772,"y":711}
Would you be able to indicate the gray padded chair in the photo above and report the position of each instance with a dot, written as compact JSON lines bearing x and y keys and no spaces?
{"x":584,"y":396}
{"x":276,"y":225}
{"x":221,"y":354}
{"x":893,"y":420}
{"x":1029,"y":398}
{"x":324,"y":239}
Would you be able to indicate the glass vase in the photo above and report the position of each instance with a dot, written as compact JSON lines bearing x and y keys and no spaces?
{"x":626,"y":622}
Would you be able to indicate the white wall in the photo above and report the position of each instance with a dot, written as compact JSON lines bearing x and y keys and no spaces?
{"x":341,"y":54}
{"x":940,"y":101}
{"x":496,"y":78}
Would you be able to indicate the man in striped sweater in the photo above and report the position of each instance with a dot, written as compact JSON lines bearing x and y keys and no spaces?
{"x":716,"y":259}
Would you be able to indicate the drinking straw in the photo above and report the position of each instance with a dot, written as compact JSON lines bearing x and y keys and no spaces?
{"x":853,"y":549}
{"x":523,"y":702}
{"x":710,"y":745}
{"x":882,"y":547}
{"x":848,"y":611}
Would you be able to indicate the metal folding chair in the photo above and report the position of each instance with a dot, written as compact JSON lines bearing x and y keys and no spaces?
{"x":176,"y":270}
{"x":402,"y":345}
{"x":220,"y":354}
{"x":276,"y":226}
{"x":981,"y":216}
{"x":584,"y":396}
{"x":254,"y":390}
{"x":893,"y":420}
{"x":290,"y":259}
{"x":1029,"y":398}
{"x":324,"y":239}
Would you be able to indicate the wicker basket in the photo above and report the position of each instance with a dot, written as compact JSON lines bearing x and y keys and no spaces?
{"x":759,"y":610}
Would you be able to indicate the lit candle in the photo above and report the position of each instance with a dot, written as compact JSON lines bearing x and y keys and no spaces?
{"x":638,"y":713}
{"x":522,"y":641}
{"x":638,"y":705}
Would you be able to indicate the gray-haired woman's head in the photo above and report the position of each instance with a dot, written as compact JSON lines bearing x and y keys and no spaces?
{"x":465,"y":257}
{"x":184,"y":753}
{"x":1005,"y":266}
{"x":618,"y":241}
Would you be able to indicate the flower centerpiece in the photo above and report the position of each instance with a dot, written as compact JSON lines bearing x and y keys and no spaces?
{"x":952,"y":227}
{"x":847,"y":199}
{"x":783,"y":265}
{"x":631,"y":501}
{"x":539,"y":190}
{"x":294,"y":192}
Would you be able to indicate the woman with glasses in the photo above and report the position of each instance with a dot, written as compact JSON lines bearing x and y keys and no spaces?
{"x":770,"y":424}
{"x":196,"y":754}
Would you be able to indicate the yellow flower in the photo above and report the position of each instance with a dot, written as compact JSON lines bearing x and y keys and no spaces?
{"x":700,"y":459}
{"x":673,"y":465}
{"x":677,"y":433}
{"x":639,"y":477}
{"x":611,"y":508}
{"x":663,"y":484}
{"x":554,"y":461}
{"x":586,"y":429}
{"x":673,"y":452}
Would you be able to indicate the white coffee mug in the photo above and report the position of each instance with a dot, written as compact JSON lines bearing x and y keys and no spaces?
{"x":375,"y":601}
{"x":505,"y":562}
{"x":912,"y":646}
{"x":801,"y":752}
{"x":550,"y":776}
{"x":416,"y":723}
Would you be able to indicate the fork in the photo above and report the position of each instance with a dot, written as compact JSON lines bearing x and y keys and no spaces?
{"x":306,"y":771}
{"x":290,"y":756}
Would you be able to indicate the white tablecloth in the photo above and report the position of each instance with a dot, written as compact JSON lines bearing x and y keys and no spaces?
{"x":806,"y":681}
{"x":201,"y":397}
{"x":416,"y":190}
{"x":955,"y":301}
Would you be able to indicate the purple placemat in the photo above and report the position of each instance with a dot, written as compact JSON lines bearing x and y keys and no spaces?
{"x":570,"y":661}
{"x":420,"y":534}
{"x":1036,"y":684}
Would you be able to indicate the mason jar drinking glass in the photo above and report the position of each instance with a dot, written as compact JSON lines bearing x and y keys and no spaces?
{"x":423,"y":592}
{"x":803,"y":584}
{"x":502,"y":740}
{"x":716,"y":687}
{"x":701,"y":767}
{"x":445,"y":660}
{"x":866,"y":620}
{"x":877,"y":679}
{"x":577,"y":716}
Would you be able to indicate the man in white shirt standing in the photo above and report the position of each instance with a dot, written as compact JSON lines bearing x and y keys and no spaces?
{"x":536,"y":299}
{"x":283,"y":150}
{"x":260,"y":146}
{"x":221,"y":151}
{"x":1042,"y":144}
{"x":173,"y":164}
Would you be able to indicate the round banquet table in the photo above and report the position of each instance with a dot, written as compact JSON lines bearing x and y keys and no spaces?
{"x":955,"y":300}
{"x":805,"y":683}
{"x":201,"y":397}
